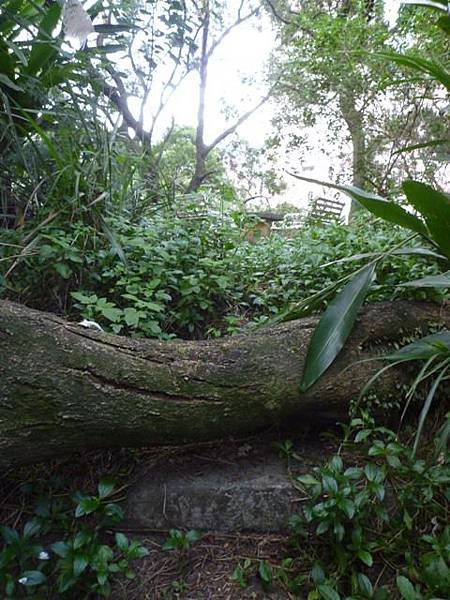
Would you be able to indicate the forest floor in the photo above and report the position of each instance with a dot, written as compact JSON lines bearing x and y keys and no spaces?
{"x":205,"y":570}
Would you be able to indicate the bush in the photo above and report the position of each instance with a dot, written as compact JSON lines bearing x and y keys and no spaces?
{"x":194,"y":277}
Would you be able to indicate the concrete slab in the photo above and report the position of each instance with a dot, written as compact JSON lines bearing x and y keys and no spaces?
{"x":247,"y":489}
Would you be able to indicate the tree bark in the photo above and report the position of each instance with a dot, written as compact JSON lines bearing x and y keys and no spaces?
{"x":355,"y":123}
{"x":65,"y":388}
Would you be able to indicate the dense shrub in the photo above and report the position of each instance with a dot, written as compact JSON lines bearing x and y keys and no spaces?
{"x":194,"y":277}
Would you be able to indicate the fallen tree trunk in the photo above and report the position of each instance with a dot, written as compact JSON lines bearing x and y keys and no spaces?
{"x":65,"y":388}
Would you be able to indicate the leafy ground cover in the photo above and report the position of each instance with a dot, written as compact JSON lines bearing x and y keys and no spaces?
{"x":195,"y":277}
{"x":372,"y":523}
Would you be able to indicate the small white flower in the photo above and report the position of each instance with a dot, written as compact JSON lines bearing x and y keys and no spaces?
{"x":77,"y":23}
{"x":23,"y":580}
{"x":43,"y":556}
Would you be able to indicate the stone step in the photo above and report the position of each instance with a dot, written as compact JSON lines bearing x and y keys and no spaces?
{"x":245,"y":489}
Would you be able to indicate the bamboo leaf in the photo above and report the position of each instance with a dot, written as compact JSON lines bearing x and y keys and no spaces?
{"x":434,"y":206}
{"x":435,"y":281}
{"x":428,"y":67}
{"x":335,"y":326}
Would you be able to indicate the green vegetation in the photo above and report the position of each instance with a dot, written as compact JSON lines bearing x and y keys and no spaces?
{"x":61,"y":550}
{"x":109,"y":217}
{"x":374,"y":523}
{"x":200,"y":277}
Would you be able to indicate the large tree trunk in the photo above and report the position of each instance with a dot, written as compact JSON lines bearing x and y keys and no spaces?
{"x":65,"y":388}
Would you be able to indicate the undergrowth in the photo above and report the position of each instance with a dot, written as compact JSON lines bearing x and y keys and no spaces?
{"x":67,"y":548}
{"x":373,"y":522}
{"x":193,"y":278}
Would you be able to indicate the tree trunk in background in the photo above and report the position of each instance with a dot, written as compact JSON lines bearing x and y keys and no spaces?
{"x":355,"y":123}
{"x":65,"y":388}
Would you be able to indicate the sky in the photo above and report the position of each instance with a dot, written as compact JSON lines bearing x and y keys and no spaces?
{"x":241,"y":56}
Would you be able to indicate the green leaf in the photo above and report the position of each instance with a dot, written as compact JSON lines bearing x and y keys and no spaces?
{"x":380,"y":207}
{"x":193,"y":536}
{"x":427,"y":404}
{"x":317,"y":574}
{"x":44,"y":48}
{"x":423,"y":349}
{"x":434,"y":281}
{"x":329,"y":484}
{"x":32,"y":578}
{"x":7,"y":81}
{"x":112,"y":314}
{"x":365,"y":557}
{"x":105,"y":487}
{"x":307,"y":479}
{"x":86,"y":506}
{"x":265,"y":571}
{"x":353,"y":472}
{"x":121,"y":541}
{"x":371,"y":471}
{"x":364,"y":585}
{"x":335,"y":326}
{"x":80,"y":563}
{"x":327,"y":592}
{"x":444,"y":24}
{"x":31,"y":528}
{"x":428,"y":67}
{"x":348,"y":507}
{"x":434,"y":206}
{"x":9,"y":534}
{"x":61,"y":549}
{"x":131,"y":316}
{"x":406,"y":588}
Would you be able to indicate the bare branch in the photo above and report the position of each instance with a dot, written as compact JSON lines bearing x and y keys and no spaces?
{"x":237,"y":123}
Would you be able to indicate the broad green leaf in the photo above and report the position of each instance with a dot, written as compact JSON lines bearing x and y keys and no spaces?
{"x":44,"y":48}
{"x":335,"y":326}
{"x":265,"y":571}
{"x":365,"y":557}
{"x":429,"y":67}
{"x":423,"y":349}
{"x":121,"y":541}
{"x":317,"y":573}
{"x":380,"y":207}
{"x":60,"y":549}
{"x":444,"y":24}
{"x":105,"y":487}
{"x":435,"y":281}
{"x":434,"y":206}
{"x":406,"y":588}
{"x":131,"y":316}
{"x":32,"y":578}
{"x":112,"y":314}
{"x":307,"y":479}
{"x":327,"y":592}
{"x":364,"y":585}
{"x":80,"y":563}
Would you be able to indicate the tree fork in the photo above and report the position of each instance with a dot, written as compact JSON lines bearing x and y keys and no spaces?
{"x":65,"y":388}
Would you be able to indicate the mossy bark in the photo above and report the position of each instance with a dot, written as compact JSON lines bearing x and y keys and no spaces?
{"x":65,"y":388}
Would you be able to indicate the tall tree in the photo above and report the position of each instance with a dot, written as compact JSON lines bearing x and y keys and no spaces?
{"x":330,"y":72}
